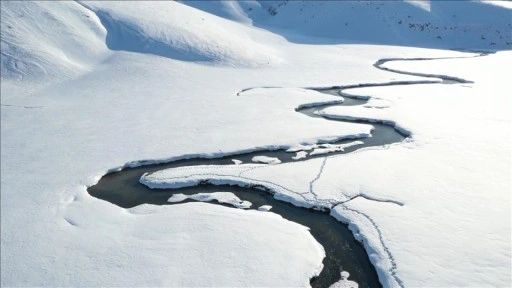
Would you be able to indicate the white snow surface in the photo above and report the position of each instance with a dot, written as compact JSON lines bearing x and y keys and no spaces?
{"x":221,"y":197}
{"x":264,"y":208}
{"x":300,"y":155}
{"x":151,"y":27}
{"x":87,"y":88}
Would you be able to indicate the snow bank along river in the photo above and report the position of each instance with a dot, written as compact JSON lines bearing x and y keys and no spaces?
{"x":343,"y":251}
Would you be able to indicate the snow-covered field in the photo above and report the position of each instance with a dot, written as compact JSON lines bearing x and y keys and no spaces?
{"x":88,"y":87}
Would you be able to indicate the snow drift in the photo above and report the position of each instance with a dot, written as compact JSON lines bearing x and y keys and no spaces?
{"x":161,"y":28}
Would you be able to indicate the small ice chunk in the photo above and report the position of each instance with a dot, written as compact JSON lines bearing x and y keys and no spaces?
{"x":221,"y":197}
{"x":329,"y":148}
{"x":320,"y":151}
{"x":300,"y":147}
{"x":300,"y":155}
{"x":264,"y":208}
{"x":177,"y":198}
{"x":344,"y":282}
{"x":266,"y":159}
{"x":236,"y":161}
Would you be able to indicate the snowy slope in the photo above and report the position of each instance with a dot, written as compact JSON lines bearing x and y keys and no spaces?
{"x":87,"y":87}
{"x":432,"y":24}
{"x":152,"y":28}
{"x":69,"y":39}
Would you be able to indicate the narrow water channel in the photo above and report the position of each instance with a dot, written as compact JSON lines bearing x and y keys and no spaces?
{"x":343,"y":252}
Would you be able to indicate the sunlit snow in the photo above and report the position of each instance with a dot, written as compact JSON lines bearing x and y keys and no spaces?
{"x":89,"y":88}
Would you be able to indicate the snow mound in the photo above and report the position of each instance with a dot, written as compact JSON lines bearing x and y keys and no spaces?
{"x":159,"y":28}
{"x":47,"y":40}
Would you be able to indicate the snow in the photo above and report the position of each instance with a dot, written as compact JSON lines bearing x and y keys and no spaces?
{"x":221,"y":197}
{"x":69,"y":41}
{"x":178,"y":198}
{"x":242,"y":175}
{"x":264,"y":208}
{"x":300,"y":155}
{"x":90,"y":87}
{"x":236,"y":161}
{"x":152,"y":28}
{"x":173,"y":236}
{"x":340,"y":147}
{"x":429,"y":24}
{"x":266,"y":159}
{"x":344,"y":282}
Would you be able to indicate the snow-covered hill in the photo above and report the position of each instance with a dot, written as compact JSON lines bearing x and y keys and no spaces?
{"x":42,"y":41}
{"x":152,"y":28}
{"x":431,"y":24}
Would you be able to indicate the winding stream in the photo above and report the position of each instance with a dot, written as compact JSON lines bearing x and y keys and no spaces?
{"x":343,"y":252}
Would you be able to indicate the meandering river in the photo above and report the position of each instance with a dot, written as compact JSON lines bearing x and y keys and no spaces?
{"x":343,"y":252}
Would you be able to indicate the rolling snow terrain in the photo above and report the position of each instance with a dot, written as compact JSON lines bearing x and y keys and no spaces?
{"x":88,"y":88}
